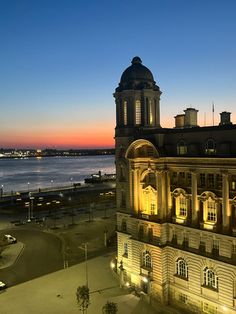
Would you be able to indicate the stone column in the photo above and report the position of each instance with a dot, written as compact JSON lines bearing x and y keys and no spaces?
{"x":194,"y":200}
{"x":164,"y":202}
{"x":169,"y":197}
{"x":135,"y":190}
{"x":225,"y":202}
{"x":159,"y":194}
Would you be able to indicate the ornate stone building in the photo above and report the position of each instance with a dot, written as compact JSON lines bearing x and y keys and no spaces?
{"x":176,"y":201}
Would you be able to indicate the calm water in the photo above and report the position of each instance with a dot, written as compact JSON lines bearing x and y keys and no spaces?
{"x":33,"y":173}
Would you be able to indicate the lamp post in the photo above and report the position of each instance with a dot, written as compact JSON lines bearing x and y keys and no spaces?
{"x":51,"y":183}
{"x":85,"y":249}
{"x":28,"y":186}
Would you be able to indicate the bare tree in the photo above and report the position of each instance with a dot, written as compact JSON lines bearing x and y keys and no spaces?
{"x":82,"y":295}
{"x":110,"y":308}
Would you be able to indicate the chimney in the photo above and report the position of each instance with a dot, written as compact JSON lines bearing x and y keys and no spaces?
{"x":225,"y":118}
{"x":179,"y":121}
{"x":190,"y":118}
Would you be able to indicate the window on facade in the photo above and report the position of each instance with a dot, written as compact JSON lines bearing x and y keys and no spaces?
{"x":181,"y":177}
{"x":137,"y":112}
{"x":189,"y":179}
{"x":182,"y":206}
{"x":153,"y":209}
{"x":210,"y":279}
{"x":209,"y":308}
{"x":125,"y":250}
{"x":147,"y":260}
{"x":202,"y":179}
{"x":125,"y":111}
{"x":150,"y":234}
{"x":233,"y":182}
{"x":210,"y":180}
{"x":141,"y":233}
{"x":218,"y":181}
{"x":124,"y":225}
{"x":173,"y":178}
{"x":183,"y":298}
{"x":123,"y":200}
{"x":211,"y":211}
{"x":181,"y":148}
{"x":182,"y":268}
{"x":210,"y":147}
{"x":150,"y":112}
{"x":215,"y":247}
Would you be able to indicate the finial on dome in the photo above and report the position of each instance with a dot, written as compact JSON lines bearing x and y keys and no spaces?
{"x":136,"y":60}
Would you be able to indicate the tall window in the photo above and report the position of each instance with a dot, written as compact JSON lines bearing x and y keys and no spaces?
{"x":211,"y":211}
{"x":125,"y":250}
{"x":182,"y":206}
{"x":210,"y":147}
{"x":147,"y":260}
{"x":125,"y":113}
{"x":210,"y":180}
{"x":150,"y":112}
{"x":181,"y":148}
{"x":137,"y":112}
{"x":210,"y":279}
{"x":182,"y":268}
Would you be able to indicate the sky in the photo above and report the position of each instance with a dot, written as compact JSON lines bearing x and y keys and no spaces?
{"x":60,"y":62}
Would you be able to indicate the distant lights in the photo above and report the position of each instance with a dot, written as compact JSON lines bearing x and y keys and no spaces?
{"x":113,"y":265}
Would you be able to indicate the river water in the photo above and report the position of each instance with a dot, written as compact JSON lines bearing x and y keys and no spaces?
{"x":50,"y":172}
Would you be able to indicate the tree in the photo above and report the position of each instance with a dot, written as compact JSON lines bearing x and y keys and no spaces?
{"x":110,"y":308}
{"x":82,"y":295}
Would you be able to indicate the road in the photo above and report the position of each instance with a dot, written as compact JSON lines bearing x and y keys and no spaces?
{"x":42,"y":255}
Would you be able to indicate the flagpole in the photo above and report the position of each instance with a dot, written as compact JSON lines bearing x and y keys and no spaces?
{"x":213,"y":111}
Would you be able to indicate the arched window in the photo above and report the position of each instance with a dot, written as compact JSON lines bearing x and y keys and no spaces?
{"x":147,"y":260}
{"x":181,"y":148}
{"x":210,"y":278}
{"x":210,"y":147}
{"x":125,"y":115}
{"x":137,"y":112}
{"x":182,"y":268}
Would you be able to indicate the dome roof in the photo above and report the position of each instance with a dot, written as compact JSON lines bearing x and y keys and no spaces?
{"x":136,"y":76}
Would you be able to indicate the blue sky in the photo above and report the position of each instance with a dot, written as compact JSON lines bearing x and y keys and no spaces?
{"x":60,"y":62}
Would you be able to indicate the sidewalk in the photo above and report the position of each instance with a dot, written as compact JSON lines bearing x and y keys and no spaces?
{"x":11,"y":254}
{"x":55,"y":293}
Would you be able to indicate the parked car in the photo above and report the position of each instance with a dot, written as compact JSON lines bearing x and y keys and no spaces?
{"x":10,"y":239}
{"x":2,"y":285}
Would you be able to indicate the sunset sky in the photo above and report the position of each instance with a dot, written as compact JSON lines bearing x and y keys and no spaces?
{"x":60,"y":62}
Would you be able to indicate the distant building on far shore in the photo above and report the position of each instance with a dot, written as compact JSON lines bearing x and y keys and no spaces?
{"x":176,"y":201}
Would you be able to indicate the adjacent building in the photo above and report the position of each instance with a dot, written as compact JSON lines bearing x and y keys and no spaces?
{"x":176,"y":200}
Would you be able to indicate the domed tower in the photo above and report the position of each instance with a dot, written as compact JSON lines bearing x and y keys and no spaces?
{"x":137,"y":100}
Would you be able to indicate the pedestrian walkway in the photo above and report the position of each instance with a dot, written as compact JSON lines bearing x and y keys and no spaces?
{"x":11,"y":254}
{"x":56,"y":293}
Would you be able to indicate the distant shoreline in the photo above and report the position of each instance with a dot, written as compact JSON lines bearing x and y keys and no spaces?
{"x":23,"y":154}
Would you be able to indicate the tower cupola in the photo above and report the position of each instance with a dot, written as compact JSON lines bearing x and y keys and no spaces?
{"x":137,"y":97}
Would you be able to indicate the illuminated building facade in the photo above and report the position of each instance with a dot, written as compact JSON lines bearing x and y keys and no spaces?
{"x":176,"y":201}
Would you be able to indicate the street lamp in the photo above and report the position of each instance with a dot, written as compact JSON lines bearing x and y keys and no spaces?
{"x":51,"y":183}
{"x":85,"y":249}
{"x":28,"y":186}
{"x":71,"y":181}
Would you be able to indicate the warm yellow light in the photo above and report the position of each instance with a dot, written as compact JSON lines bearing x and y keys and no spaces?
{"x":145,"y":279}
{"x":127,"y":284}
{"x":112,"y":264}
{"x":208,"y":226}
{"x":180,"y":220}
